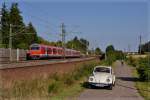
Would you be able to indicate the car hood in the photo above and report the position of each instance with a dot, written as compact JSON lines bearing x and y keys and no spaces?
{"x":101,"y":77}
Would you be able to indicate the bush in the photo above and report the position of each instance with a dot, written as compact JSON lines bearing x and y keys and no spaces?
{"x":132,"y":62}
{"x":112,"y":56}
{"x":144,"y":69}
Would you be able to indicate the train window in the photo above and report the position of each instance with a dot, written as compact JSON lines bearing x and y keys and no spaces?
{"x":59,"y":51}
{"x":43,"y":49}
{"x":54,"y":51}
{"x":49,"y":51}
{"x":35,"y":48}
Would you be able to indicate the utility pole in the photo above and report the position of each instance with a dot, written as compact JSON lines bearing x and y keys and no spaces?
{"x":87,"y":48}
{"x":63,"y":34}
{"x":10,"y":42}
{"x":129,"y":48}
{"x":0,"y":27}
{"x":140,"y":44}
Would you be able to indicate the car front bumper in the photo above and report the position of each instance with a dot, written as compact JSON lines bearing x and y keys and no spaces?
{"x":99,"y":84}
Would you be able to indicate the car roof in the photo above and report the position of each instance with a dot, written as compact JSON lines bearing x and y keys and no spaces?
{"x":103,"y":67}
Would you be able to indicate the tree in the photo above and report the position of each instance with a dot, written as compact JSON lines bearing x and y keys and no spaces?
{"x":75,"y":38}
{"x":4,"y":26}
{"x":98,"y":51}
{"x":110,"y":52}
{"x":110,"y":48}
{"x":30,"y":35}
{"x":78,"y":44}
{"x":20,"y":36}
{"x":145,"y":47}
{"x":59,"y":43}
{"x":18,"y":27}
{"x":84,"y":44}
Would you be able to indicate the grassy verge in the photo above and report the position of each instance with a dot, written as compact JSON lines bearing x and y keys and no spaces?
{"x":70,"y":92}
{"x":54,"y":87}
{"x":142,"y":72}
{"x":143,"y":87}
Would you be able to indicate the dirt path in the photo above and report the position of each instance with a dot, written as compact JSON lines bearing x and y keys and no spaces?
{"x":124,"y":89}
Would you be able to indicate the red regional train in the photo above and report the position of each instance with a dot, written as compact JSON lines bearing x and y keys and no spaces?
{"x":38,"y":51}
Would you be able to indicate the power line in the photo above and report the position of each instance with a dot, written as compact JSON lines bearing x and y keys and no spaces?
{"x":47,"y":22}
{"x":42,"y":12}
{"x":39,"y":18}
{"x":129,"y":48}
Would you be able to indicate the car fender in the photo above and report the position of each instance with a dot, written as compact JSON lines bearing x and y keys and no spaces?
{"x":114,"y":79}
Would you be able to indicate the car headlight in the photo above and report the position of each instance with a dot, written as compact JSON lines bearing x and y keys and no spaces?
{"x":91,"y":79}
{"x":108,"y":80}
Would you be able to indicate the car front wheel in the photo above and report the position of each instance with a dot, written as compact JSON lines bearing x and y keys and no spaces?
{"x":114,"y":84}
{"x":110,"y":87}
{"x":89,"y":86}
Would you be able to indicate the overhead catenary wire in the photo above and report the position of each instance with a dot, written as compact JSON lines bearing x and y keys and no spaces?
{"x":48,"y":25}
{"x":47,"y":21}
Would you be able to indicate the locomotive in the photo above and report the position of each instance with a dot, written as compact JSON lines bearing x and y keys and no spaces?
{"x":38,"y":51}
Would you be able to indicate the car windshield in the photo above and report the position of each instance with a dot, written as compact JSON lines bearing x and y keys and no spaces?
{"x":102,"y":69}
{"x":34,"y":48}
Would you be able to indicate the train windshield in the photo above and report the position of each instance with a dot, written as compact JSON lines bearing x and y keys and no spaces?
{"x":35,"y":48}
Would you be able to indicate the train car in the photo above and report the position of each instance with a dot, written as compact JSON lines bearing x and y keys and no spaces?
{"x":38,"y":51}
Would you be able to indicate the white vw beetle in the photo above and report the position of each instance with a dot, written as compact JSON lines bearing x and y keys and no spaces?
{"x":102,"y":76}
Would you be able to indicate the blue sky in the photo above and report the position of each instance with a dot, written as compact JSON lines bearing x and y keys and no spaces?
{"x":102,"y":23}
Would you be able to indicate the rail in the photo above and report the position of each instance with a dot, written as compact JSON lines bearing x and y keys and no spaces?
{"x":41,"y":62}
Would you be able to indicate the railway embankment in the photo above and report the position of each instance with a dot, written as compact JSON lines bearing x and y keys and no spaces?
{"x":32,"y":70}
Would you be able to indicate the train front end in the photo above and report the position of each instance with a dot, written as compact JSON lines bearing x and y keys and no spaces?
{"x":35,"y":51}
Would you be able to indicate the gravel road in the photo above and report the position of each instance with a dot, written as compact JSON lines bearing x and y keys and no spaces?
{"x":124,"y":89}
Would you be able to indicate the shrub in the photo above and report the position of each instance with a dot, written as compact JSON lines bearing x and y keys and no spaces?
{"x":112,"y":56}
{"x":144,"y":69}
{"x":132,"y":62}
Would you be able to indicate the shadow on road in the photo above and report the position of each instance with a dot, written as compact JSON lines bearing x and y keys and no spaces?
{"x":86,"y":86}
{"x":133,"y":79}
{"x":125,"y":86}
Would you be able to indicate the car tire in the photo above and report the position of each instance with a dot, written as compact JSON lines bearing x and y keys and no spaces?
{"x":90,"y":86}
{"x":110,"y":87}
{"x":114,"y":84}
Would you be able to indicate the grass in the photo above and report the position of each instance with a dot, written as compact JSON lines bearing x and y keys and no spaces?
{"x":53,"y":87}
{"x":141,"y":71}
{"x":143,"y":87}
{"x":69,"y":92}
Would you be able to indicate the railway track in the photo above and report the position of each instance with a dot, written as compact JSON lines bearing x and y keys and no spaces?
{"x":32,"y":63}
